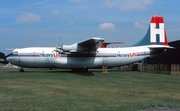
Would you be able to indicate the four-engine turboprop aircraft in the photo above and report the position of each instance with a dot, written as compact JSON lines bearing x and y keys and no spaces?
{"x":89,"y":54}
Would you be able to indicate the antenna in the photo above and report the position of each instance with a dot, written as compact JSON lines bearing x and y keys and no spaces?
{"x":59,"y":45}
{"x":60,"y":40}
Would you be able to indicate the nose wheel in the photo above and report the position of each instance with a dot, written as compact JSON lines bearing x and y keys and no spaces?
{"x":21,"y":70}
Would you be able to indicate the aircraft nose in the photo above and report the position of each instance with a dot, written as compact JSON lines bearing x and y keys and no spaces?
{"x":8,"y":58}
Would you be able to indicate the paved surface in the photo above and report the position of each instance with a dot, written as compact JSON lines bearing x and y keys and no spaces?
{"x":160,"y":109}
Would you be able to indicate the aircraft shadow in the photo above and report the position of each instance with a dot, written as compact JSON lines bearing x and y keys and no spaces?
{"x":77,"y":72}
{"x":83,"y":73}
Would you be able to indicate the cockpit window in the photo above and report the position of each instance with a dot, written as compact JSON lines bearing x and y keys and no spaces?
{"x":15,"y":52}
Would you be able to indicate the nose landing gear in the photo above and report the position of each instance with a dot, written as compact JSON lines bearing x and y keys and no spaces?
{"x":21,"y":70}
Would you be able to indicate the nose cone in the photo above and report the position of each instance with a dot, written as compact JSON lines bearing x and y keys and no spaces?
{"x":9,"y":58}
{"x":13,"y":59}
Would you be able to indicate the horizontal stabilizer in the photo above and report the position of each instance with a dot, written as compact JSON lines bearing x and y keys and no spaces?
{"x":160,"y":46}
{"x":104,"y":44}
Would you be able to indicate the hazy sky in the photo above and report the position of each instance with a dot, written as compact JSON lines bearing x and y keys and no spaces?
{"x":27,"y":23}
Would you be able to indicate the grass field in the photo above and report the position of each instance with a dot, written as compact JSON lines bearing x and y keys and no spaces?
{"x":56,"y":90}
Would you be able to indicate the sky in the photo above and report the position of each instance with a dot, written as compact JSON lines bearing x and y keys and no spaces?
{"x":48,"y":23}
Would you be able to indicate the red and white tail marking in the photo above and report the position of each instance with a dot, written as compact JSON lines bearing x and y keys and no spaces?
{"x":157,"y":28}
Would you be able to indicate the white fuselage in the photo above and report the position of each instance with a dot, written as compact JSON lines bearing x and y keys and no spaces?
{"x":47,"y":57}
{"x":87,"y":54}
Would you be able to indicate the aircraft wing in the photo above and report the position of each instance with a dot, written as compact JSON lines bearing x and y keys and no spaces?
{"x":89,"y":45}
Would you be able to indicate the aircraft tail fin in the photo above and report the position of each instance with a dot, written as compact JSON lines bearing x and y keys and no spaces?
{"x":156,"y":34}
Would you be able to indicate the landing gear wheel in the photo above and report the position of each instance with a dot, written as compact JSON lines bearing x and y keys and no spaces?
{"x":21,"y":70}
{"x":85,"y":70}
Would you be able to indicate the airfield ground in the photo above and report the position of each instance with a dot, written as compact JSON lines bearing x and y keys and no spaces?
{"x":55,"y":90}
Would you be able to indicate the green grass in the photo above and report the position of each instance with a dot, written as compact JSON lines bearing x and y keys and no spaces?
{"x":55,"y":90}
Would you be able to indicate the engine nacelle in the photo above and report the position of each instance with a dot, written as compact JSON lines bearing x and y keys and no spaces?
{"x":72,"y":48}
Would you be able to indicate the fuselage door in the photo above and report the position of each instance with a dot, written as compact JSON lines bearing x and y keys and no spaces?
{"x":105,"y":61}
